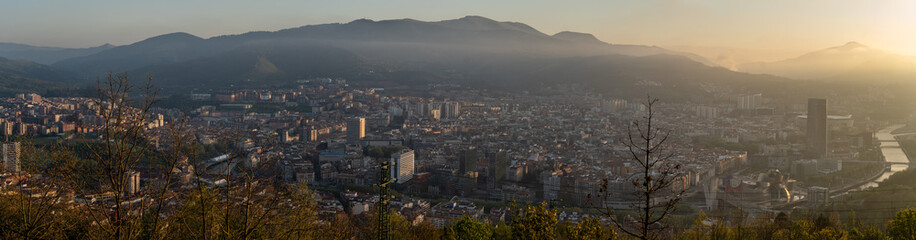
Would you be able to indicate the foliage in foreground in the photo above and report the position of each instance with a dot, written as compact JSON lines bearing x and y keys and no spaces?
{"x":204,"y":216}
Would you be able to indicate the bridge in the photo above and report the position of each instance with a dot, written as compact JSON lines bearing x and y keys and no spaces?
{"x":220,"y":164}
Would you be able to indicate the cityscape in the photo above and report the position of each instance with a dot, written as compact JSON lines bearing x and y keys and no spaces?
{"x":469,"y":128}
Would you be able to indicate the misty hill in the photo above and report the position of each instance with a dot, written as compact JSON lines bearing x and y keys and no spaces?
{"x":46,"y":55}
{"x":408,"y":54}
{"x":258,"y":66}
{"x":34,"y":70}
{"x":20,"y":76}
{"x":675,"y":77}
{"x":852,"y":61}
{"x":577,"y":37}
{"x":409,"y":43}
{"x":163,"y":49}
{"x":620,"y":75}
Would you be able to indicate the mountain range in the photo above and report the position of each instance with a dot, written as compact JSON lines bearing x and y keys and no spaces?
{"x":405,"y":42}
{"x":473,"y":50}
{"x":852,"y":61}
{"x":22,"y":76}
{"x":46,"y":55}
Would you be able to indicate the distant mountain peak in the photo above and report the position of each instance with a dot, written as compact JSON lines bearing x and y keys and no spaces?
{"x":578,"y":37}
{"x":361,"y":20}
{"x":478,"y":23}
{"x":476,"y":18}
{"x":167,"y":40}
{"x":472,"y":21}
{"x":850,"y":46}
{"x":174,"y":36}
{"x":839,"y":62}
{"x":178,"y":34}
{"x":854,"y":44}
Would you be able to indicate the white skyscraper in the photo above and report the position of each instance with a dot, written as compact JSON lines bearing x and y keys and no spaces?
{"x":402,"y":165}
{"x":11,"y":157}
{"x":707,"y":112}
{"x":452,"y":110}
{"x":750,"y":101}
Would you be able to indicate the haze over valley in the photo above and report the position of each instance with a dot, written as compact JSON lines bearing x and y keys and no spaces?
{"x":474,"y":120}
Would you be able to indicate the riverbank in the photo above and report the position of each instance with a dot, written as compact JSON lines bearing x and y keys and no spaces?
{"x":906,"y":129}
{"x":894,"y":156}
{"x":907,"y":143}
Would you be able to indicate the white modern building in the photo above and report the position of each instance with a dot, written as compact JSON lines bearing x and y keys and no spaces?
{"x":11,"y":162}
{"x":750,"y":101}
{"x":402,"y":168}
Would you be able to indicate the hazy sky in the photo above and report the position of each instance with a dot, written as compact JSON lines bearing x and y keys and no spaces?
{"x":786,"y":25}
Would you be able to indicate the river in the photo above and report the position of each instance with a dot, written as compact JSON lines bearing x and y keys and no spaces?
{"x":893,"y":155}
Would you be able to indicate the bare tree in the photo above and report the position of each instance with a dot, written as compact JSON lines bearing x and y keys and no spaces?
{"x":123,"y":133}
{"x":205,"y":210}
{"x":28,"y":204}
{"x":240,"y":202}
{"x":258,"y":199}
{"x":654,"y":177}
{"x":178,"y":139}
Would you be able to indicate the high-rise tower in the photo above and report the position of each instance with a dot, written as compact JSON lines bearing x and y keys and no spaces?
{"x":131,"y":183}
{"x":817,"y":128}
{"x":402,"y":167}
{"x":356,"y":130}
{"x":11,"y":157}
